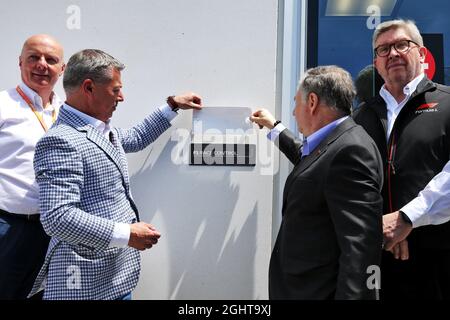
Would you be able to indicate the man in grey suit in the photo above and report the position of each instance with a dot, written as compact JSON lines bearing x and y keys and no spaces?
{"x":85,"y":200}
{"x":331,"y":232}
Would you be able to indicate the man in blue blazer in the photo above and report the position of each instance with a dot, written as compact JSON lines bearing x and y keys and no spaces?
{"x":85,"y":200}
{"x":330,"y":239}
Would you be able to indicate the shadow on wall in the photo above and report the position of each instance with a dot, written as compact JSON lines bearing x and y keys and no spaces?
{"x":203,"y":253}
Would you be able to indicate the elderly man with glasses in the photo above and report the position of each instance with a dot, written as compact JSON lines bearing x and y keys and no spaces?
{"x":410,"y":122}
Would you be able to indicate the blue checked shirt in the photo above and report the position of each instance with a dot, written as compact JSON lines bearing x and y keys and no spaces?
{"x":121,"y":233}
{"x":84,"y":192}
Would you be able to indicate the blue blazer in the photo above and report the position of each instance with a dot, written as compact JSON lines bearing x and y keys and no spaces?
{"x":84,"y":189}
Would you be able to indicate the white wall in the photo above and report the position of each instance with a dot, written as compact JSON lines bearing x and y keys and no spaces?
{"x":216,"y":222}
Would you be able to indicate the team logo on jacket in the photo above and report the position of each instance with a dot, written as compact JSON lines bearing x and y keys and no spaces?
{"x":427,"y":107}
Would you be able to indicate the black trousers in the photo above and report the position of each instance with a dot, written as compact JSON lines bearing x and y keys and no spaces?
{"x":425,"y":276}
{"x":23,"y":245}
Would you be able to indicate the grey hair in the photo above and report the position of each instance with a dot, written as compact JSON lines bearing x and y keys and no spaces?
{"x":332,"y":84}
{"x":92,"y":64}
{"x":408,"y":25}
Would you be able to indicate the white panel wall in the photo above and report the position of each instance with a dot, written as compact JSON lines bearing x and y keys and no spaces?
{"x":216,"y":222}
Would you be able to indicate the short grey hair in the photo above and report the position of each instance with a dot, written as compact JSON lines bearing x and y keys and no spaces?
{"x":408,"y":25}
{"x":332,"y":84}
{"x":92,"y":64}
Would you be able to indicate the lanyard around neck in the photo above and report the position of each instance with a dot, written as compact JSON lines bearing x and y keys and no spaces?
{"x":36,"y":113}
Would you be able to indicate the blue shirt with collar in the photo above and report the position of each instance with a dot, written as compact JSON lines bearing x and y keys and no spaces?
{"x":312,"y":141}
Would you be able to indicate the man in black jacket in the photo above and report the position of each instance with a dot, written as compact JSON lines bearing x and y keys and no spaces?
{"x":410,"y":123}
{"x":330,"y":237}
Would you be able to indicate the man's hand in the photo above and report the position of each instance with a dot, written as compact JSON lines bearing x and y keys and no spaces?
{"x":263,"y":118}
{"x":395,"y":229}
{"x":188,"y":101}
{"x":401,"y":250}
{"x":143,"y":236}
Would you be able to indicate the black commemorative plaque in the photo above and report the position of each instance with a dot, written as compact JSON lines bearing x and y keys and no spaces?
{"x":218,"y":154}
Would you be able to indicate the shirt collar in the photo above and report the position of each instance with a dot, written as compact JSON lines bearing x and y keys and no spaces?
{"x":103,"y":127}
{"x":312,"y":141}
{"x":36,"y":98}
{"x":407,"y":90}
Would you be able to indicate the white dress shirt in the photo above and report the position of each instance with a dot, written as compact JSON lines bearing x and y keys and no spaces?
{"x":122,"y":231}
{"x":432,"y":205}
{"x":394,"y":108}
{"x":20,"y":130}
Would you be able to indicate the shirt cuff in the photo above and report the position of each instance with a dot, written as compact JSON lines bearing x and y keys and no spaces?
{"x":121,"y":235}
{"x":416,"y":212}
{"x":275,"y":132}
{"x":168,"y":113}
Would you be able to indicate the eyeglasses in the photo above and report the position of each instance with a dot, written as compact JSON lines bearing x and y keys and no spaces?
{"x":401,"y":46}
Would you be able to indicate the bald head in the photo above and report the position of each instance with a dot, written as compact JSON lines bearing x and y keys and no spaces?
{"x":41,"y":63}
{"x":43,"y":39}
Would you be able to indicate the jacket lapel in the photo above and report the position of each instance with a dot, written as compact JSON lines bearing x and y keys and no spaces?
{"x":423,"y":86}
{"x":94,"y":136}
{"x":113,"y":153}
{"x":307,"y":161}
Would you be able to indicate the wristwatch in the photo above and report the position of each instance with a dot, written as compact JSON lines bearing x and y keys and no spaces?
{"x":276,"y":123}
{"x":171,"y":102}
